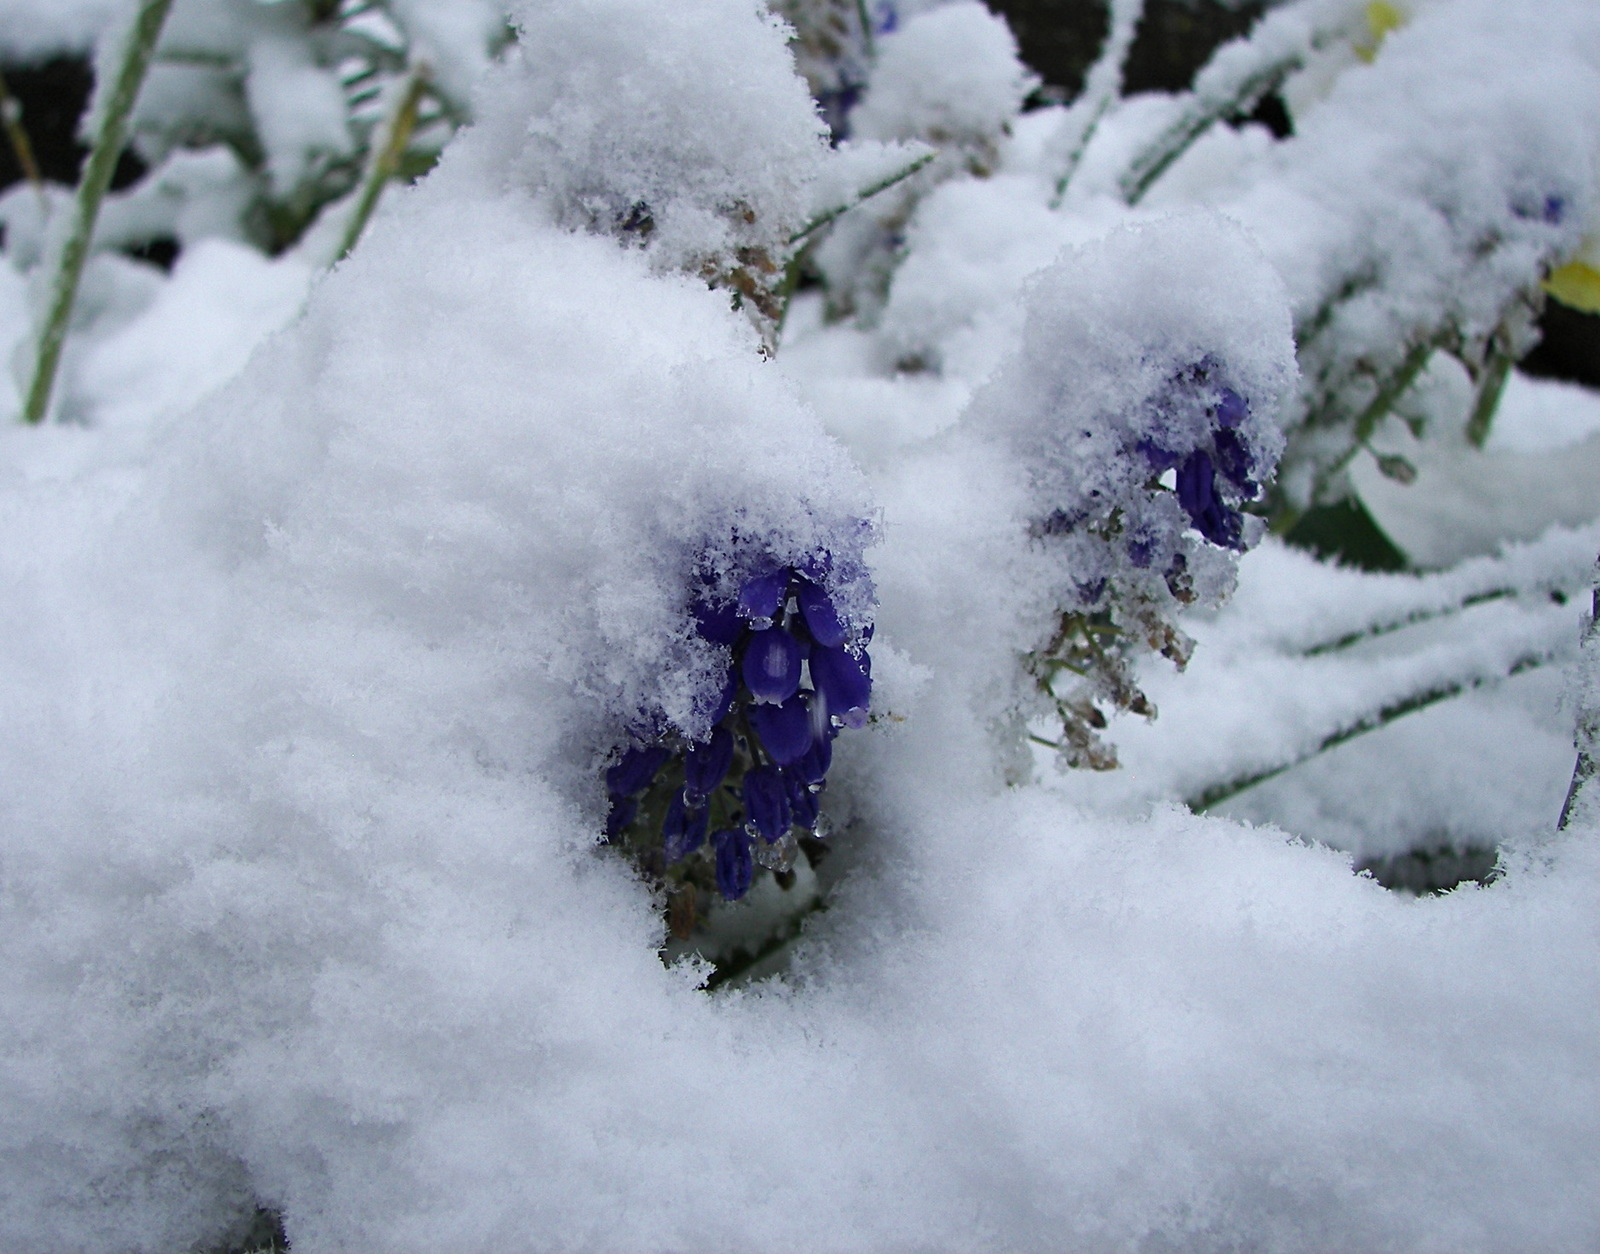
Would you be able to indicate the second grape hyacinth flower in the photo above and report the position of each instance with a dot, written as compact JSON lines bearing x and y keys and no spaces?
{"x":705,"y":816}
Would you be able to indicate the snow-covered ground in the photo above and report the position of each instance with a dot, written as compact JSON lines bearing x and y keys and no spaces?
{"x":331,"y":593}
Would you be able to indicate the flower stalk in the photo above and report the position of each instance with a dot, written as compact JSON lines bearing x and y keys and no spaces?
{"x":384,"y":159}
{"x":110,"y":137}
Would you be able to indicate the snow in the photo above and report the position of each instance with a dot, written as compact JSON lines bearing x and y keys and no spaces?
{"x":31,"y":31}
{"x":950,"y":76}
{"x":327,"y":603}
{"x":608,"y":111}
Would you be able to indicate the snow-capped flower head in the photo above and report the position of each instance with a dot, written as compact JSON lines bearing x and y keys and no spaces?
{"x":1141,"y":412}
{"x":950,"y":76}
{"x":679,"y":127}
{"x":792,"y":636}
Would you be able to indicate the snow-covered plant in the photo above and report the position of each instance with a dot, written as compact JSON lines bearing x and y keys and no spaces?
{"x":700,"y":814}
{"x":949,"y":78}
{"x":298,"y":94}
{"x":616,"y":131}
{"x":254,"y":118}
{"x":1432,"y":236}
{"x":833,"y":45}
{"x":1141,"y":406}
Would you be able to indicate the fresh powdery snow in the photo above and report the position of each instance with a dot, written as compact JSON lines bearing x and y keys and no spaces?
{"x":332,"y":596}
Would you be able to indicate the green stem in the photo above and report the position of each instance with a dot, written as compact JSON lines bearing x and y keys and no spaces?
{"x":384,"y":158}
{"x":11,"y":116}
{"x":102,"y":163}
{"x":865,"y":194}
{"x":1367,"y":422}
{"x":1490,"y":388}
{"x":1420,"y":700}
{"x":1196,"y":120}
{"x":1410,"y":620}
{"x":1105,"y":81}
{"x":868,"y":43}
{"x":1075,"y":155}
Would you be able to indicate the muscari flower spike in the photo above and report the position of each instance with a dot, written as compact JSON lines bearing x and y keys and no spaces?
{"x":760,"y":774}
{"x":1190,"y":461}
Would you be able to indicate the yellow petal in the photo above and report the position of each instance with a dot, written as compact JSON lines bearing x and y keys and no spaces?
{"x":1382,"y":17}
{"x":1576,"y":285}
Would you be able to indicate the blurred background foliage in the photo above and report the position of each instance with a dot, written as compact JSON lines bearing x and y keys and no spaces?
{"x":1059,"y":40}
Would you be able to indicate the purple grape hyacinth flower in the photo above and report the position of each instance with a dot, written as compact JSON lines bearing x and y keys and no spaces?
{"x":822,"y":620}
{"x":1196,"y":480}
{"x":735,"y":866}
{"x":705,"y":766}
{"x":720,"y":624}
{"x":812,"y":765}
{"x":844,"y":684}
{"x":1232,"y":409}
{"x":761,"y":597}
{"x":772,"y":666}
{"x":784,"y":730}
{"x":1159,"y":459}
{"x":1197,"y":494}
{"x":1235,"y":462}
{"x":805,"y":807}
{"x":622,"y":812}
{"x":766,"y":802}
{"x":683,"y":830}
{"x":635,"y":771}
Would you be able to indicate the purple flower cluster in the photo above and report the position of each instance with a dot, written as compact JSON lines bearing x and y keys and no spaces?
{"x":1214,"y":475}
{"x":797,"y":674}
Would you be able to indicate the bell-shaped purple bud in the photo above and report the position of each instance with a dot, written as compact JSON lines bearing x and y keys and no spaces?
{"x":623,"y":810}
{"x":804,"y":805}
{"x":1232,"y":409}
{"x":1196,"y":481}
{"x":1222,"y":526}
{"x":761,"y":597}
{"x":635,"y":771}
{"x":844,"y":685}
{"x":766,"y":802}
{"x":735,"y":866}
{"x":683,"y":830}
{"x":719,"y":624}
{"x":785,"y":730}
{"x":811,"y":767}
{"x":772,"y":666}
{"x":705,"y":766}
{"x":820,"y":616}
